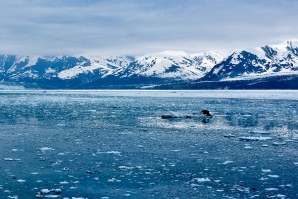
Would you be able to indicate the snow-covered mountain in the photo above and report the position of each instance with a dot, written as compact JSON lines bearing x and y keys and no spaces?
{"x":166,"y":66}
{"x":155,"y":68}
{"x":265,"y":61}
{"x":172,"y":65}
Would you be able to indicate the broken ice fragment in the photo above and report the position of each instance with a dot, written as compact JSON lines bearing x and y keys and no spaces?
{"x":252,"y":138}
{"x":278,"y":143}
{"x":228,"y":162}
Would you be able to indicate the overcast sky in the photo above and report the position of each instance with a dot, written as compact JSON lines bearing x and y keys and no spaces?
{"x":133,"y":27}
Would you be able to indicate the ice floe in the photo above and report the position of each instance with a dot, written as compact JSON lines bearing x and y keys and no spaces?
{"x":253,"y":138}
{"x":201,"y":179}
{"x":227,"y":162}
{"x":273,"y":176}
{"x":278,"y":143}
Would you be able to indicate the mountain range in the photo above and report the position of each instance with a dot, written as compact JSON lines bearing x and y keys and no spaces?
{"x":270,"y":66}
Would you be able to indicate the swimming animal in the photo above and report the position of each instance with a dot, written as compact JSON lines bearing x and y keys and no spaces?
{"x":206,"y":113}
{"x":168,"y":116}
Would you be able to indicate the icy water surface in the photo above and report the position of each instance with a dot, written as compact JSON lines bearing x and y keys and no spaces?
{"x":113,"y":144}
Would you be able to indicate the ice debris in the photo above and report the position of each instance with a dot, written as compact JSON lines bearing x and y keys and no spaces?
{"x":252,"y":138}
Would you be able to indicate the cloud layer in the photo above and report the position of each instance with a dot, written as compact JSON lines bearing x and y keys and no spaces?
{"x":109,"y":27}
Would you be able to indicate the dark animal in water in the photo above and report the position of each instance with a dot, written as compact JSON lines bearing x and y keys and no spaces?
{"x":168,"y":116}
{"x":206,"y":112}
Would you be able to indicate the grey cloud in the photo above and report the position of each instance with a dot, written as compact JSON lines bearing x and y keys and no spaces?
{"x":139,"y":26}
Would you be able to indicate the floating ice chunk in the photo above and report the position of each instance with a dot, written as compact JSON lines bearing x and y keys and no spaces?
{"x":125,"y":167}
{"x":296,"y":163}
{"x":273,"y":176}
{"x":113,"y":152}
{"x":252,"y":138}
{"x":90,"y":172}
{"x":228,"y":162}
{"x":278,"y":143}
{"x":63,"y":182}
{"x":281,"y":196}
{"x":229,"y":136}
{"x":52,"y":196}
{"x":45,"y":191}
{"x":260,"y":132}
{"x":175,"y":150}
{"x":43,"y":149}
{"x":271,"y":189}
{"x":247,"y":146}
{"x":202,"y":179}
{"x":21,"y":180}
{"x":8,"y":159}
{"x":114,"y":180}
{"x":58,"y":191}
{"x":266,"y":170}
{"x":241,"y":188}
{"x":13,"y":197}
{"x":263,"y":179}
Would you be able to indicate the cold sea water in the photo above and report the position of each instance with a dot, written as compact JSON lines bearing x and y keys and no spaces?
{"x":114,"y":144}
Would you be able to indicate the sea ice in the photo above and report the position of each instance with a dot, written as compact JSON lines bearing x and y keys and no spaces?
{"x":202,"y":179}
{"x":273,"y":176}
{"x":228,"y":162}
{"x":252,"y":138}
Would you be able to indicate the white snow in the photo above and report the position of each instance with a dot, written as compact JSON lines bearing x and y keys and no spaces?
{"x":101,"y":64}
{"x":189,"y":66}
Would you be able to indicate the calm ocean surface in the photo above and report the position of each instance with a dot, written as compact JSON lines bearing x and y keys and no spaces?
{"x":114,"y":144}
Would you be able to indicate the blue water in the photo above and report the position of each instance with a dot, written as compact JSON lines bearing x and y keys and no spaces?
{"x":113,"y":144}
